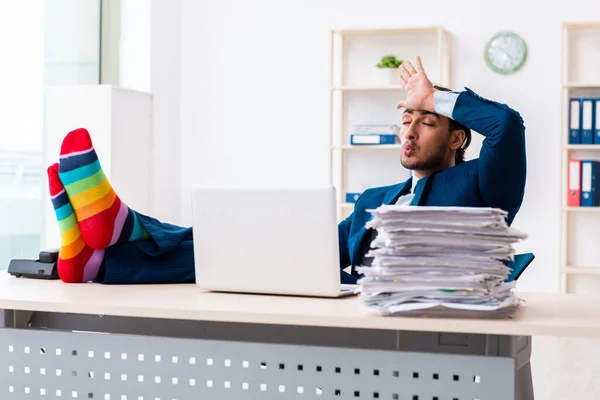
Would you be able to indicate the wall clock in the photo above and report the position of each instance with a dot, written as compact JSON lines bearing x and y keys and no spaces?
{"x":505,"y":52}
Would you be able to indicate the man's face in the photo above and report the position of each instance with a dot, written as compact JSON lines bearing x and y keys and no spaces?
{"x":425,"y":141}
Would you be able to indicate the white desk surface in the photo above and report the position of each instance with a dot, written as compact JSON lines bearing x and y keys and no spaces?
{"x":566,"y":315}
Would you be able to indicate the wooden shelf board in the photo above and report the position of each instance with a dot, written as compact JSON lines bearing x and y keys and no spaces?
{"x":368,"y":147}
{"x":582,"y":147}
{"x":582,"y":85}
{"x":389,"y":31}
{"x":581,"y":270}
{"x":582,"y":209}
{"x":349,"y":88}
{"x":582,"y":25}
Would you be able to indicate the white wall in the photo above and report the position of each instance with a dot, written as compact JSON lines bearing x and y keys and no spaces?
{"x":134,"y":49}
{"x":150,"y":60}
{"x":21,"y":95}
{"x":254,"y":94}
{"x":254,"y":108}
{"x":71,"y":42}
{"x":165,"y":83}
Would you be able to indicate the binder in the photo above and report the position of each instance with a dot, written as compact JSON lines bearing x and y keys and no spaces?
{"x":369,"y":138}
{"x":596,"y":128}
{"x":352,"y":197}
{"x":575,"y":121}
{"x":375,"y":129}
{"x":519,"y":263}
{"x":587,"y":120}
{"x":574,"y":191}
{"x":589,"y":178}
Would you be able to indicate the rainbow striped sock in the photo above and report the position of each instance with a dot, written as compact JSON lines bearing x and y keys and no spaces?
{"x":77,"y":262}
{"x":103,"y":218}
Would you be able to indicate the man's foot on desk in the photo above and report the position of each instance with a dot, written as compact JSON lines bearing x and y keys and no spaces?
{"x":103,"y":218}
{"x":77,"y":262}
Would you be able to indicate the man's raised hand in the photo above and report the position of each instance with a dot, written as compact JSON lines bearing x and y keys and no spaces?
{"x":418,"y":87}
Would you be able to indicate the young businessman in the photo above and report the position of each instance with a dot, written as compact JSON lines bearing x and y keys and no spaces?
{"x":435,"y":132}
{"x":103,"y":240}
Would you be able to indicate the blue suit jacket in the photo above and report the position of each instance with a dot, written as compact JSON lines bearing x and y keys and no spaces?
{"x":495,"y":179}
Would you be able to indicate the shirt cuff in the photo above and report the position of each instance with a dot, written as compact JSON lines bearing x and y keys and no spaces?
{"x":444,"y":102}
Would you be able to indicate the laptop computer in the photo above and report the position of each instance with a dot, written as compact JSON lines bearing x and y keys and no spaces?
{"x":268,"y":240}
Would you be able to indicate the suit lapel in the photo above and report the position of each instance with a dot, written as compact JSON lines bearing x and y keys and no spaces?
{"x":399,"y":190}
{"x":390,"y":197}
{"x":419,"y":190}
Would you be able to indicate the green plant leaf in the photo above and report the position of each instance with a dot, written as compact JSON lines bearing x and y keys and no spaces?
{"x":389,"y":61}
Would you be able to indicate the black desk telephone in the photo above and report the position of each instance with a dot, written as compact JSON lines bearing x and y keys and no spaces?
{"x":42,"y":268}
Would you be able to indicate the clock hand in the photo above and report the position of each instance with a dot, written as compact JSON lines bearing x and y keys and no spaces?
{"x":503,"y":51}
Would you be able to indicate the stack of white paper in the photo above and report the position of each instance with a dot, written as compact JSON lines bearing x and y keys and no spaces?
{"x":440,"y":261}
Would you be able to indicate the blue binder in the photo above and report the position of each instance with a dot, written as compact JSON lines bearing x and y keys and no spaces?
{"x":372,"y":139}
{"x":587,"y":121}
{"x":352,"y":197}
{"x":575,"y":121}
{"x":596,"y":121}
{"x":589,"y":178}
{"x":518,"y":265}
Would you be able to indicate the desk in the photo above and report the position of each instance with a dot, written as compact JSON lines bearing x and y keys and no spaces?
{"x":165,"y":342}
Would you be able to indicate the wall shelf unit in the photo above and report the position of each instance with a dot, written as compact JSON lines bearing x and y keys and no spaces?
{"x":579,"y":251}
{"x":361,"y":93}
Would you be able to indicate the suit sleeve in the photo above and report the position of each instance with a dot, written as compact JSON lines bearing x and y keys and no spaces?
{"x":502,"y":160}
{"x":343,"y":234}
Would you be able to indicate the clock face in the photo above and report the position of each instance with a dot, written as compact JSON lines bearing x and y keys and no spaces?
{"x":505,"y":52}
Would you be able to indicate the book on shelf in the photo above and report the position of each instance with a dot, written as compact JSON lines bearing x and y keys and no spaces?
{"x":372,"y":139}
{"x":574,"y":183}
{"x":596,"y":126}
{"x":352,"y":197}
{"x":587,"y":119}
{"x":392,"y":129}
{"x":589,"y":180}
{"x":373,"y":134}
{"x":582,"y":183}
{"x":584,"y":120}
{"x":574,"y":121}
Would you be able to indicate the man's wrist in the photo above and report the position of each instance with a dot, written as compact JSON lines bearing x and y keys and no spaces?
{"x":430,"y":101}
{"x":444,"y":102}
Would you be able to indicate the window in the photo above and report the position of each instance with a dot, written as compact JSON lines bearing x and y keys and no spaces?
{"x":44,"y":43}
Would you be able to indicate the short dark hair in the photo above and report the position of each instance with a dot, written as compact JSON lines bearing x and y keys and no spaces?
{"x":456,"y":126}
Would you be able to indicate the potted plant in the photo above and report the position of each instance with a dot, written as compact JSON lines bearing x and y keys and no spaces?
{"x":389,"y":69}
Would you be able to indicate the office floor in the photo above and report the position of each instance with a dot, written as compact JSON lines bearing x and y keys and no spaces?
{"x":558,"y":357}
